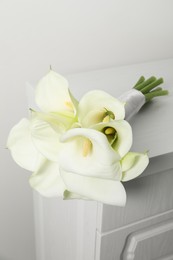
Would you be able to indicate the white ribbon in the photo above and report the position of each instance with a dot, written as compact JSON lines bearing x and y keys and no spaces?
{"x":134,"y":100}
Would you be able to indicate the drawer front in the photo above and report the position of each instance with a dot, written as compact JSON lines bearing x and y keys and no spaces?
{"x":146,"y":197}
{"x":144,"y":228}
{"x":149,"y":239}
{"x":154,"y":242}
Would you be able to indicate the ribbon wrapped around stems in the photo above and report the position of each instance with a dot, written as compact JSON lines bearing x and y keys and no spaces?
{"x":143,"y":91}
{"x":134,"y":100}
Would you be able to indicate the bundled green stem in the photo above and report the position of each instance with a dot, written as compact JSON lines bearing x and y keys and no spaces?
{"x":148,"y":87}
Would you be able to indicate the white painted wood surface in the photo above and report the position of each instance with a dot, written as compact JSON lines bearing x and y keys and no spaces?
{"x":113,"y":241}
{"x":81,"y":230}
{"x":149,"y":242}
{"x":146,"y":197}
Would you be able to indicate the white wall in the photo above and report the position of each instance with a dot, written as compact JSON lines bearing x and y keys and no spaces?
{"x":72,"y":36}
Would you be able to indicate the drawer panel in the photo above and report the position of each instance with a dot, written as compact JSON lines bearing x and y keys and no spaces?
{"x":154,"y":242}
{"x":147,"y":196}
{"x":148,"y":239}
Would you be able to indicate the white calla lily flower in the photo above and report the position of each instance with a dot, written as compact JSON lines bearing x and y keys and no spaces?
{"x":46,"y":179}
{"x":98,"y":106}
{"x":119,"y":135}
{"x":52,"y":94}
{"x":45,"y":138}
{"x":76,"y":150}
{"x":21,"y":146}
{"x":59,"y":122}
{"x":133,"y":164}
{"x":58,"y":114}
{"x":87,"y":152}
{"x":106,"y":191}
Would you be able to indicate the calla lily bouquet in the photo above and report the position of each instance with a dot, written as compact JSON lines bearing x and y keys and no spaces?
{"x":81,"y":150}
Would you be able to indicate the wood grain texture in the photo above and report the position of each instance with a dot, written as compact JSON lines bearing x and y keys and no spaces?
{"x":65,"y":229}
{"x":110,"y":245}
{"x":152,"y":242}
{"x":145,"y":197}
{"x":56,"y":223}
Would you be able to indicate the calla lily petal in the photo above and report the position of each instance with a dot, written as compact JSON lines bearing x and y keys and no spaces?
{"x":94,"y":105}
{"x":87,"y":152}
{"x":74,"y":101}
{"x":58,"y":121}
{"x":71,"y":195}
{"x":47,"y":180}
{"x":21,"y":146}
{"x":133,"y":164}
{"x":45,"y":138}
{"x":123,"y":130}
{"x":52,"y":94}
{"x":103,"y":190}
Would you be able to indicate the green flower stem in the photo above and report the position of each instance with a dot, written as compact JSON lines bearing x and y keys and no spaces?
{"x":149,"y":87}
{"x":153,"y":94}
{"x":152,"y":85}
{"x":145,"y":83}
{"x":157,"y":89}
{"x":140,"y":80}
